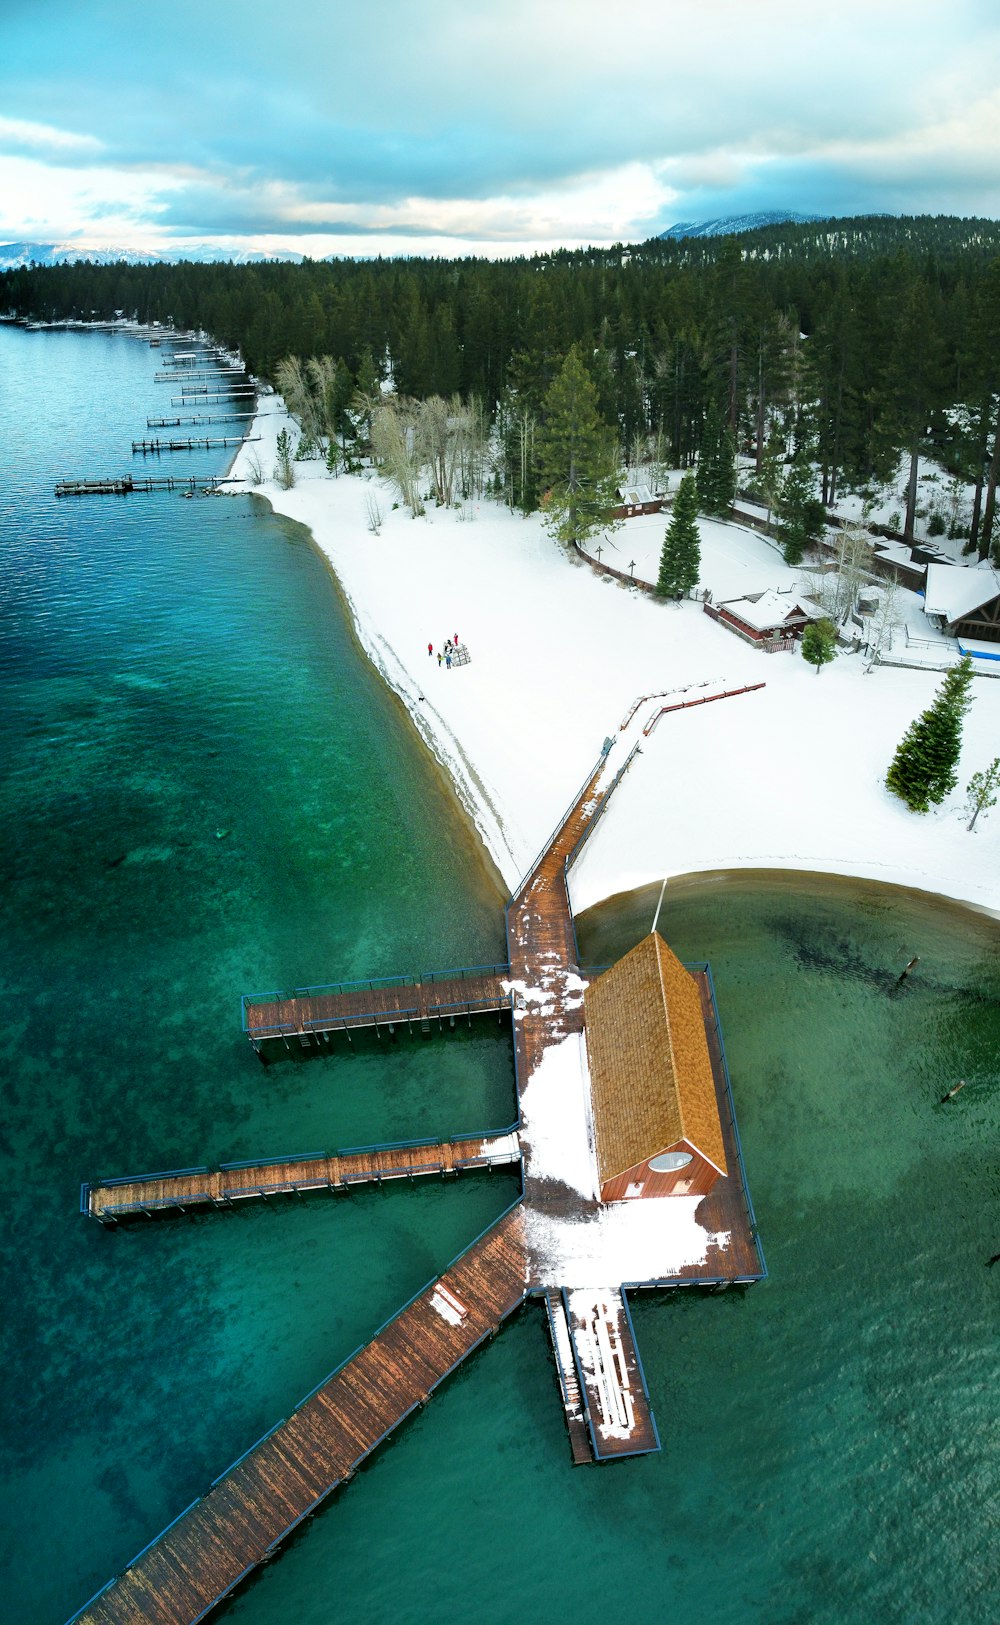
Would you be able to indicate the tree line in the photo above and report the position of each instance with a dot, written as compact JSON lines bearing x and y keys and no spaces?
{"x":841,"y":345}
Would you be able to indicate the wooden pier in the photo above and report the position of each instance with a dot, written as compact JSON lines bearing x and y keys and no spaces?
{"x":211,"y":375}
{"x":569,"y":1380}
{"x":192,"y":399}
{"x":619,"y":1418}
{"x":149,"y":448}
{"x":236,"y":1182}
{"x":179,"y":422}
{"x":256,"y":1504}
{"x":311,"y":1014}
{"x":253,"y":1506}
{"x":126,"y":484}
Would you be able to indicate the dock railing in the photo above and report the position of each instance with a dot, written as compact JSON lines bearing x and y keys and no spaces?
{"x":704,"y":966}
{"x":606,"y":795}
{"x":293,"y":1523}
{"x":428,"y":977}
{"x":518,"y":889}
{"x":362,"y":1175}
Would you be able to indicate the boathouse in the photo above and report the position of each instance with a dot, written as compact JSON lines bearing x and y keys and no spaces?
{"x":656,"y":1115}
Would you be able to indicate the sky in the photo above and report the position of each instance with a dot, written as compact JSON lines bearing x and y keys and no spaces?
{"x":391,"y":127}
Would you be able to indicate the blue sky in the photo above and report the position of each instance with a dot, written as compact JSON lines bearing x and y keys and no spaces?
{"x":391,"y":127}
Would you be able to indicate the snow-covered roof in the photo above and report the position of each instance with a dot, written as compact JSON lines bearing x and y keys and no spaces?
{"x":635,"y":495}
{"x":955,"y":590}
{"x":762,"y":610}
{"x":897,"y":552}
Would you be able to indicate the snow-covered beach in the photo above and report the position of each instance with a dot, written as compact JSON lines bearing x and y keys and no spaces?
{"x":788,"y":777}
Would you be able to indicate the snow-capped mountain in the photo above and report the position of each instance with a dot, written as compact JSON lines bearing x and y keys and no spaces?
{"x":14,"y":255}
{"x":730,"y":223}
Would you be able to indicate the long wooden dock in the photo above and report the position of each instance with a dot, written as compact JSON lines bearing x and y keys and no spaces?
{"x":148,"y":448}
{"x":127,"y":484}
{"x":310,"y":1014}
{"x":252,"y":1507}
{"x":182,"y":422}
{"x":541,"y":944}
{"x":210,"y":375}
{"x":257,"y":1503}
{"x":235,"y":1182}
{"x":213,"y":400}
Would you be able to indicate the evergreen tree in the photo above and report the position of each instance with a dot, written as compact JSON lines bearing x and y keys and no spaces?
{"x":284,"y":473}
{"x":680,"y":559}
{"x":576,"y":455}
{"x":771,"y":475}
{"x":800,"y":512}
{"x":924,"y":768}
{"x":716,"y":472}
{"x":981,"y":791}
{"x":819,"y":644}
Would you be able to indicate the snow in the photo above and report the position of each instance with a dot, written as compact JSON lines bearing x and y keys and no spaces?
{"x":954,"y":592}
{"x":735,"y":559}
{"x":501,"y":1148}
{"x":771,"y":608}
{"x":789,"y":777}
{"x":445,"y":1305}
{"x":597,"y":1335}
{"x":557,"y":1132}
{"x":649,"y":1240}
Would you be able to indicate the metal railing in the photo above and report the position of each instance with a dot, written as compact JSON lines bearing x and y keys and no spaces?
{"x":606,"y":795}
{"x":556,"y":831}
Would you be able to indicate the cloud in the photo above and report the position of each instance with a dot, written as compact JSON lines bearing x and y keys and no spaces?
{"x":533,"y":117}
{"x":18,"y":135}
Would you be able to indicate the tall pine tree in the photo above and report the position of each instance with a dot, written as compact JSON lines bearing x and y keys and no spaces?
{"x":716,"y":472}
{"x":576,"y":456}
{"x":800,"y":513}
{"x":680,"y":560}
{"x":925,"y":766}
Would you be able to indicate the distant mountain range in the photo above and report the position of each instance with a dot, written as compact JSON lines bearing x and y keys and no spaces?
{"x":14,"y":255}
{"x":731,"y":223}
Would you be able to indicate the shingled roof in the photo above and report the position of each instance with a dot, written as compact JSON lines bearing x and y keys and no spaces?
{"x":650,"y":1070}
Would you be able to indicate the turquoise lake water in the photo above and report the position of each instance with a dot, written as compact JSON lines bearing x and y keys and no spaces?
{"x":204,"y":791}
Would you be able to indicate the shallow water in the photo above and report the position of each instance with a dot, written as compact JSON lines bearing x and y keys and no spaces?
{"x":205,"y":791}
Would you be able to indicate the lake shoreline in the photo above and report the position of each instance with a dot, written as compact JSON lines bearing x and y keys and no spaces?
{"x":517,"y":730}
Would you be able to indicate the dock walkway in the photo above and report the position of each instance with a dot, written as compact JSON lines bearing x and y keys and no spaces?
{"x":386,"y":1001}
{"x":257,"y":1503}
{"x":246,"y":1181}
{"x":253,"y":1506}
{"x":609,"y":1371}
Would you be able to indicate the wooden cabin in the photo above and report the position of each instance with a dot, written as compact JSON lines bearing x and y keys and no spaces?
{"x":656,"y":1112}
{"x":964,"y":600}
{"x":764,"y":617}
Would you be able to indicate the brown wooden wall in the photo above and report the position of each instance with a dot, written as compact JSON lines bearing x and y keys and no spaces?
{"x":696,"y":1179}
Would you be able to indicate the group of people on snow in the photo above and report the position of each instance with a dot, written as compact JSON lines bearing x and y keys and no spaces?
{"x":449,"y":655}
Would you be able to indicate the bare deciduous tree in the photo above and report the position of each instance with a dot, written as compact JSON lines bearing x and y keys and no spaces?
{"x":394,"y":446}
{"x":373,"y":513}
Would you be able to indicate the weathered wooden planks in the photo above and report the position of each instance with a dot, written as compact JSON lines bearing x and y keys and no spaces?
{"x":221,"y":1187}
{"x":373,"y":1005}
{"x":256,"y":1504}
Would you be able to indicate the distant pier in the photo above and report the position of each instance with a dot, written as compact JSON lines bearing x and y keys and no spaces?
{"x":151,"y":448}
{"x":126,"y":484}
